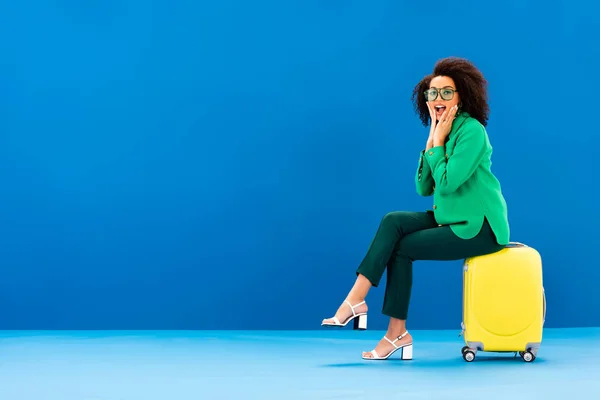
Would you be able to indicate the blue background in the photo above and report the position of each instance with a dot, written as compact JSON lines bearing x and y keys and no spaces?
{"x":224,"y":165}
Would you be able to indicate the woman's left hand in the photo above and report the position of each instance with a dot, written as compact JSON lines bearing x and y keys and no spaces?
{"x":444,"y":126}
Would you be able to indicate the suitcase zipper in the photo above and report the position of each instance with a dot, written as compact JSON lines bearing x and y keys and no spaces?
{"x":462,"y":324}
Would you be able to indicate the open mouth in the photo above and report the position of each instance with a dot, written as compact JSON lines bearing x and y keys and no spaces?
{"x":440,"y":109}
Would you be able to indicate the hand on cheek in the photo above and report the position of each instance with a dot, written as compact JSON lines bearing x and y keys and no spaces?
{"x":443,"y":127}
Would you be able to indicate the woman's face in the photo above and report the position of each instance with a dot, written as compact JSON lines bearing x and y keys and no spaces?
{"x":441,"y":95}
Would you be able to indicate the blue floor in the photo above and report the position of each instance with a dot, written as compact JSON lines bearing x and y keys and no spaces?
{"x":325,"y":364}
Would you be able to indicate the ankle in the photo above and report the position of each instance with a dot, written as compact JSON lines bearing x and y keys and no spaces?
{"x":354,"y":299}
{"x":394,"y":333}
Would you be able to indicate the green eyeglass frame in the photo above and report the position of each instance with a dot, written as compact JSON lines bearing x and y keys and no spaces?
{"x":446,"y":93}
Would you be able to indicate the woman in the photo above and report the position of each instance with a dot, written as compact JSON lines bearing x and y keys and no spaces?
{"x":469,"y":216}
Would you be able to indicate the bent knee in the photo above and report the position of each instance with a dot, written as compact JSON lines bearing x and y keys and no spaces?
{"x":396,"y":218}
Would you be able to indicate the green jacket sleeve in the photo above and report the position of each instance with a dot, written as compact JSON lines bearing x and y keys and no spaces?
{"x":450,"y":173}
{"x":423,"y":178}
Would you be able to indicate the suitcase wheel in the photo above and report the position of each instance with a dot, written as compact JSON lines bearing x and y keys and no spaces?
{"x":468,"y":354}
{"x":527,"y":356}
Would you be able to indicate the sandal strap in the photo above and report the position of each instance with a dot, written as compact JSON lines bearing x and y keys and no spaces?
{"x":390,"y":342}
{"x":354,"y":306}
{"x":393,"y":343}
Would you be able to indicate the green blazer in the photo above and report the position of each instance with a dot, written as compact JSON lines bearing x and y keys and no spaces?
{"x":459,"y":176}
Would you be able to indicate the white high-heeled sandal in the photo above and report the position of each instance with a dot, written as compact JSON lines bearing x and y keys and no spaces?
{"x":360,"y":319}
{"x":407,"y":350}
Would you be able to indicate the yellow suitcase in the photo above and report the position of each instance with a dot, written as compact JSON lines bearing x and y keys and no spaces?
{"x":504,"y":303}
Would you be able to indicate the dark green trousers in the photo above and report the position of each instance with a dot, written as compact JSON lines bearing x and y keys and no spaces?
{"x":404,"y":237}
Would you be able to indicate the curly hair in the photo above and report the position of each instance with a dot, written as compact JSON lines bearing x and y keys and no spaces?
{"x":470,"y":84}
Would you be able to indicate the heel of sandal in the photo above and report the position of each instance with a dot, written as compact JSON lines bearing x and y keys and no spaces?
{"x":407,"y":352}
{"x":360,"y":322}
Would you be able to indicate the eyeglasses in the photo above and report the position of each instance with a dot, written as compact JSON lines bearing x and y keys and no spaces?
{"x":446,"y":93}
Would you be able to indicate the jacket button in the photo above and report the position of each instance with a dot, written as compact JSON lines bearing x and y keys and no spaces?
{"x":431,"y":153}
{"x":434,"y":207}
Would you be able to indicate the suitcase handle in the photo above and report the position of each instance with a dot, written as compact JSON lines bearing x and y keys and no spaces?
{"x":544,"y":294}
{"x":516,"y":244}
